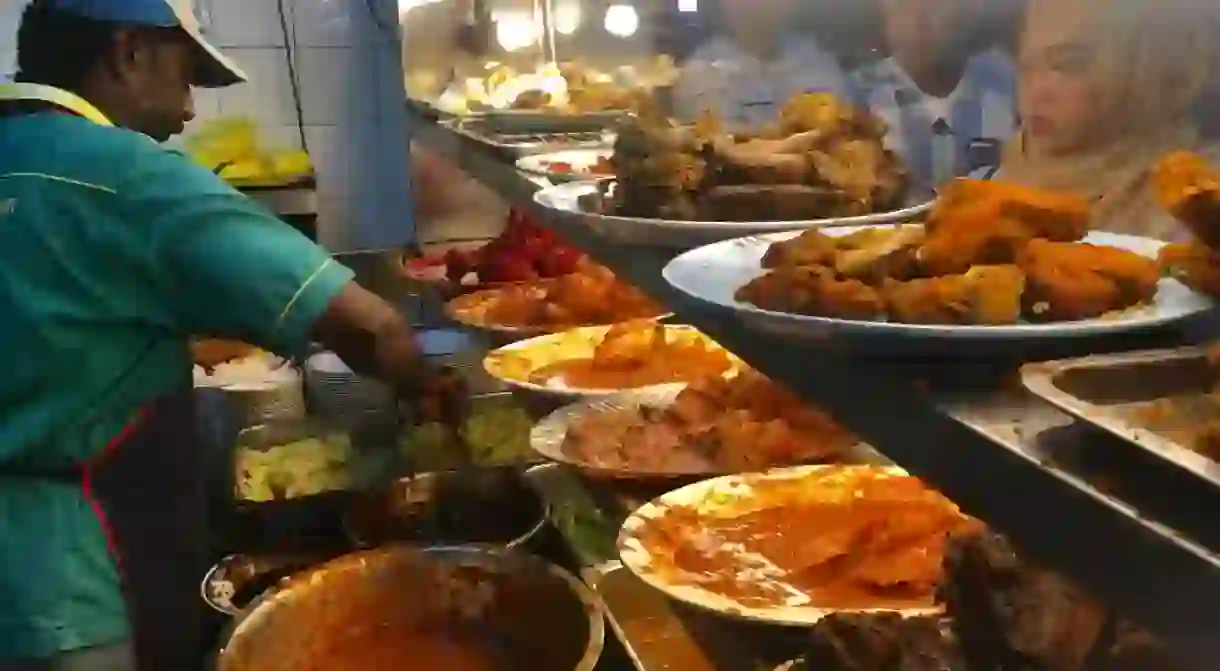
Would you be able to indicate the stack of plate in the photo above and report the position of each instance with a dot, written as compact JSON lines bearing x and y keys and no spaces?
{"x":258,"y":388}
{"x":335,"y":392}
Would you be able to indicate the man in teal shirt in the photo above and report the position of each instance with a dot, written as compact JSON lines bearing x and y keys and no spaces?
{"x":114,"y":252}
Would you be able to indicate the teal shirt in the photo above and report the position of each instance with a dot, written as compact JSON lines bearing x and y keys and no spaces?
{"x":113,"y":252}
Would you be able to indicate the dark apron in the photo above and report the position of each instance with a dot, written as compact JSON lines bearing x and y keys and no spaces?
{"x":150,"y":491}
{"x":148,"y":488}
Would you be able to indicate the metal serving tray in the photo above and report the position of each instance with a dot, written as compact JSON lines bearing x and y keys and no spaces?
{"x":1123,"y":394}
{"x":525,"y":133}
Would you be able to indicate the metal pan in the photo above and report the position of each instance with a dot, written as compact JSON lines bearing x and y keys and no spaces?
{"x":524,"y":134}
{"x":1155,"y":399}
{"x":532,"y":613}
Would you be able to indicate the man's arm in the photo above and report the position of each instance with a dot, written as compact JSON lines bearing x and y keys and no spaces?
{"x":228,"y":268}
{"x":371,"y":337}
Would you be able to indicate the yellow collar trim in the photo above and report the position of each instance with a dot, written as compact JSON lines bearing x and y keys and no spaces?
{"x":65,"y":99}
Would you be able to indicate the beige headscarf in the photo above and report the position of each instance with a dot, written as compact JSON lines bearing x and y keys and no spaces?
{"x":1150,"y":65}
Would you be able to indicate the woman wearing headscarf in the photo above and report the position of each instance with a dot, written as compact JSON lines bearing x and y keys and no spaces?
{"x":1107,"y":88}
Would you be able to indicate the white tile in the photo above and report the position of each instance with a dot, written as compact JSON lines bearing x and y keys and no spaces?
{"x":268,"y":97}
{"x":326,"y":150}
{"x":10,"y":18}
{"x":336,"y":23}
{"x":334,"y":217}
{"x":338,"y":85}
{"x":246,"y":23}
{"x":207,"y":106}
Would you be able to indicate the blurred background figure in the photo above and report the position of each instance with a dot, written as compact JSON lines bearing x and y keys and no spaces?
{"x":947,"y":89}
{"x":1108,"y":87}
{"x":752,"y":65}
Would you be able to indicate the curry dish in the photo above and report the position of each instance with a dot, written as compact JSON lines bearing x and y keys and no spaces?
{"x":744,"y":423}
{"x":988,"y":254}
{"x":843,"y":538}
{"x":638,"y":354}
{"x":590,"y":296}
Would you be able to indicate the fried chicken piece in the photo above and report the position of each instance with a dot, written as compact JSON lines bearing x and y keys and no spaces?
{"x":812,"y":290}
{"x":1044,"y":214}
{"x":889,"y":253}
{"x":810,"y":248}
{"x":1192,"y":264}
{"x":1189,"y":189}
{"x":988,"y":295}
{"x":1075,"y":280}
{"x":977,"y":236}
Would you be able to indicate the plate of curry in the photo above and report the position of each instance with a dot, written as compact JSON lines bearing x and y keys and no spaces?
{"x":793,"y":545}
{"x":604,"y":360}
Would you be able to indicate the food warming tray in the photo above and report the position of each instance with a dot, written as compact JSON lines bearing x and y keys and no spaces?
{"x":1123,"y":393}
{"x":525,"y":133}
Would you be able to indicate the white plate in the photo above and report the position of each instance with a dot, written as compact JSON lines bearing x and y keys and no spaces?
{"x":707,"y":495}
{"x":580,"y":160}
{"x":564,"y":201}
{"x":712,"y":274}
{"x":513,"y":363}
{"x":548,"y":436}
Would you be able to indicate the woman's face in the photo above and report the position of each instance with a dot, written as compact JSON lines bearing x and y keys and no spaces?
{"x":1058,"y":93}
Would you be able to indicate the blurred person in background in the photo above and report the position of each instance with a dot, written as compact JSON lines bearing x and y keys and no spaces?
{"x":947,"y":89}
{"x":752,"y":65}
{"x":1108,"y":87}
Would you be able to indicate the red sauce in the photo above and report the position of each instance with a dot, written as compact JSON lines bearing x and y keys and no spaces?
{"x":388,"y":649}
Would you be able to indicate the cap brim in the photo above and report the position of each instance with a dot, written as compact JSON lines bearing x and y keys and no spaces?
{"x":213,"y":69}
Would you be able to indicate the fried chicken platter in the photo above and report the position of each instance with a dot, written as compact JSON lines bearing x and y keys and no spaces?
{"x":820,"y":159}
{"x":712,"y":425}
{"x":988,"y":254}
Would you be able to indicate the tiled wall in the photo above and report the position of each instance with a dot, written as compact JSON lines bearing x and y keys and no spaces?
{"x":348,"y":67}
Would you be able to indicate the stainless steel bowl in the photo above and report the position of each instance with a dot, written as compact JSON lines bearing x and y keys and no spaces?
{"x":534,"y":614}
{"x":489,"y":505}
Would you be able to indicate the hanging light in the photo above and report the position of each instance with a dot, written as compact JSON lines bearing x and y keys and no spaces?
{"x":516,"y":30}
{"x":567,"y":18}
{"x":688,"y":6}
{"x":622,"y":20}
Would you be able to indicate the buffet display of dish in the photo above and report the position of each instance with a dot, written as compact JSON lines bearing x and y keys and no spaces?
{"x":761,"y":507}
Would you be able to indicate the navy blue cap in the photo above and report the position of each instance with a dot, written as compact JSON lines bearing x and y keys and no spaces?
{"x":215,"y":69}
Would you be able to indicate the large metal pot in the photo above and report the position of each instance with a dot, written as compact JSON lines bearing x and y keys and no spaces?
{"x":522,"y":611}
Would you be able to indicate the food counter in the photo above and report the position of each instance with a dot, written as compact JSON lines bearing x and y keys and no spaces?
{"x":1068,"y":496}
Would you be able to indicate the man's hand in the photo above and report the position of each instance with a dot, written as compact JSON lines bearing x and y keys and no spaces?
{"x":444,"y":397}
